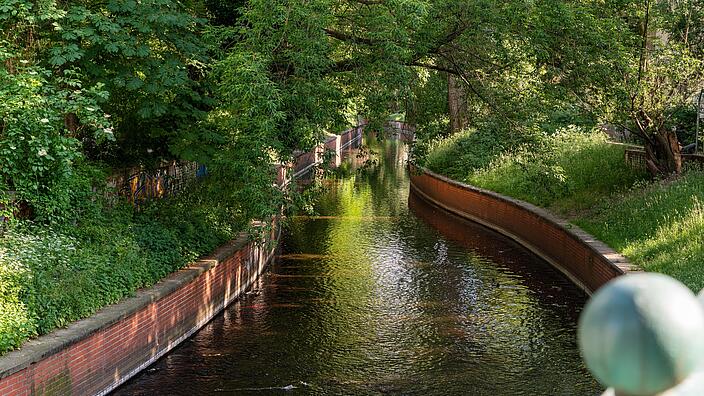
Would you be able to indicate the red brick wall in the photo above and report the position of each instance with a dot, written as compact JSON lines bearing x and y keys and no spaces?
{"x":588,"y":262}
{"x":107,"y":357}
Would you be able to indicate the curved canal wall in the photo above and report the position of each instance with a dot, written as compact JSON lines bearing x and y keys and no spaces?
{"x":95,"y":355}
{"x":588,"y":262}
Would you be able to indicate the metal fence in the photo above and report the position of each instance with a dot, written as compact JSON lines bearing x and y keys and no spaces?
{"x":139,"y":185}
{"x":635,"y":158}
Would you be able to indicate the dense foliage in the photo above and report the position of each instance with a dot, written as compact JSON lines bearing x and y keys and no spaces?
{"x":90,"y":87}
{"x":85,"y":87}
{"x":51,"y":276}
{"x":241,"y":85}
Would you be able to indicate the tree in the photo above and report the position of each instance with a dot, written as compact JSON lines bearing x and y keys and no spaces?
{"x":118,"y":81}
{"x":670,"y":69}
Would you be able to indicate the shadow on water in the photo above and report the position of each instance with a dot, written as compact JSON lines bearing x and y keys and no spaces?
{"x":382,"y":293}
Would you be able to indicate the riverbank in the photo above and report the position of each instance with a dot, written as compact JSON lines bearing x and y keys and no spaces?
{"x":95,"y":355}
{"x":657,"y":225}
{"x":66,"y":284}
{"x":382,"y":293}
{"x":52,"y":275}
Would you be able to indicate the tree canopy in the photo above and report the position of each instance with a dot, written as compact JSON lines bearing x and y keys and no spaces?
{"x":242,"y":85}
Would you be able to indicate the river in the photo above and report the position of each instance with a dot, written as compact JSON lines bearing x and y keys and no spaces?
{"x":379,"y":293}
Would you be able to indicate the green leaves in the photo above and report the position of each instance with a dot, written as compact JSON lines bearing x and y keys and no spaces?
{"x":51,"y":276}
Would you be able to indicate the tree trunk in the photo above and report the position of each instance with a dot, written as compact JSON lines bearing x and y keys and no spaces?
{"x":457,"y":104}
{"x":663,"y":156}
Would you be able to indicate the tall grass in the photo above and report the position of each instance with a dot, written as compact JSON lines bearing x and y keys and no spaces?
{"x":460,"y":154}
{"x":568,"y":171}
{"x":571,"y":170}
{"x":659,"y":226}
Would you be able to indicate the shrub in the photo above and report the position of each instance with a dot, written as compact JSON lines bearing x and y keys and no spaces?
{"x":569,"y":170}
{"x":52,"y":276}
{"x":463,"y":152}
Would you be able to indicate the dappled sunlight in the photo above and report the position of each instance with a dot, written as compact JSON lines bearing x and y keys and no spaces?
{"x":675,"y":247}
{"x":659,"y":227}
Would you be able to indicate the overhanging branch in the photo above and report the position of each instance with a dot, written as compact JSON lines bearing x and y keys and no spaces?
{"x":434,"y":67}
{"x":348,"y":37}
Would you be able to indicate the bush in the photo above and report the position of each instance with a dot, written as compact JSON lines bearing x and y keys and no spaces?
{"x":569,"y":170}
{"x":461,"y":153}
{"x":52,"y":276}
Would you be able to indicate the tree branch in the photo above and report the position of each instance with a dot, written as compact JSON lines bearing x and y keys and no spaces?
{"x":434,"y":67}
{"x":348,"y":37}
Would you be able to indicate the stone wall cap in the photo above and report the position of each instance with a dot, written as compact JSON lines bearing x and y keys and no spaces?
{"x":617,"y":260}
{"x":46,"y":345}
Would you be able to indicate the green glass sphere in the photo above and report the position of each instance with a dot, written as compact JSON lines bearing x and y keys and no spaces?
{"x":642,"y":334}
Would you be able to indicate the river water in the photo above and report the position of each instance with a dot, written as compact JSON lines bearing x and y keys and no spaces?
{"x":381,"y":293}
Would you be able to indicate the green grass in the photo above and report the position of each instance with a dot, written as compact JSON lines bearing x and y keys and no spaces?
{"x":51,"y":276}
{"x":463,"y":153}
{"x":569,"y":171}
{"x":657,"y":225}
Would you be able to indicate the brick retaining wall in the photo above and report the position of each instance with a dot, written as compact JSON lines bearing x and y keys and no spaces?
{"x":95,"y":355}
{"x":588,"y":262}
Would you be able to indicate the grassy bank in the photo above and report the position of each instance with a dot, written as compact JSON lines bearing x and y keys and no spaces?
{"x":658,"y":225}
{"x":53,"y":275}
{"x":569,"y":171}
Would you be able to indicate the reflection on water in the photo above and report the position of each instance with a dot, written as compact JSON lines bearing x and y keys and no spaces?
{"x":370,"y":297}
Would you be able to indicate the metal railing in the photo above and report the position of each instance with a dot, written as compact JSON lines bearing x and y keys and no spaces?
{"x":139,"y":185}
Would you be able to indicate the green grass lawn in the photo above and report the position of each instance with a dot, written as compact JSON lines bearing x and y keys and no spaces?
{"x":658,"y":225}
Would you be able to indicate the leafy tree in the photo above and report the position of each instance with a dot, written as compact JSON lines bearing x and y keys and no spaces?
{"x":670,"y":69}
{"x":116,"y":80}
{"x":37,"y":149}
{"x":150,"y":58}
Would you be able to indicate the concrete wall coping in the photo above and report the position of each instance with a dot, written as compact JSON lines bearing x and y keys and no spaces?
{"x":46,"y":345}
{"x":616,"y":259}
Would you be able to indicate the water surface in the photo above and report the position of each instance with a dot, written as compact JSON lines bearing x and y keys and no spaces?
{"x":381,"y":293}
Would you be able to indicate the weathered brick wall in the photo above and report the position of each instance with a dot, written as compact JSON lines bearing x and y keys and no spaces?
{"x":585,"y":260}
{"x":95,"y":355}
